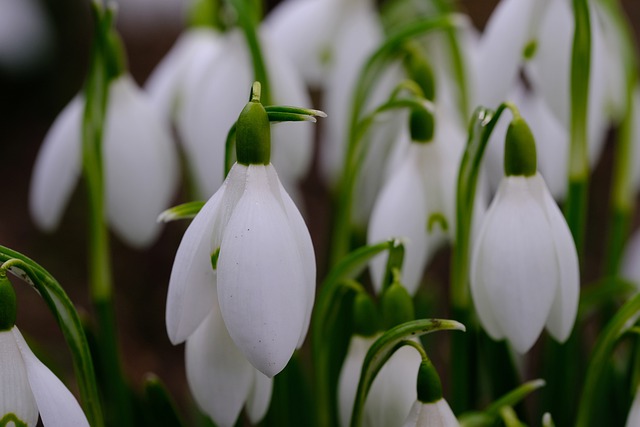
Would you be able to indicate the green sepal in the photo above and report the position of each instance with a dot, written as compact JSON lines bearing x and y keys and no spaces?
{"x":253,"y":132}
{"x":8,"y":306}
{"x":396,"y":305}
{"x":429,"y":385}
{"x":365,"y":315}
{"x":519,"y":149}
{"x":421,"y":125}
{"x":184,"y":211}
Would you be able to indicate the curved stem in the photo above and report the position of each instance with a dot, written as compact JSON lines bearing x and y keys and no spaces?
{"x":68,"y":322}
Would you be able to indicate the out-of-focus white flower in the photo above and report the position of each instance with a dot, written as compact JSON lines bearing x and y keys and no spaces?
{"x":250,"y":245}
{"x":29,"y":388}
{"x":220,"y":377}
{"x":524,"y":270}
{"x":25,"y":34}
{"x":436,"y":414}
{"x":392,"y":393}
{"x":140,"y":164}
{"x":633,"y":419}
{"x":214,"y":96}
{"x":417,"y":201}
{"x":635,"y":140}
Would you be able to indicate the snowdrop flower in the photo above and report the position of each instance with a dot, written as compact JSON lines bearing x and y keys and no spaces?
{"x":28,"y":387}
{"x":524,"y":268}
{"x":140,"y":164}
{"x":250,"y":246}
{"x":418,"y":203}
{"x":212,"y":97}
{"x":392,"y":393}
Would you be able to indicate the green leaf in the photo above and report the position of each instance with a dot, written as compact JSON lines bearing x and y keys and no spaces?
{"x":160,"y":408}
{"x":184,"y":211}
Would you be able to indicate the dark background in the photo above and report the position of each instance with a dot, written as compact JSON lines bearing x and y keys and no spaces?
{"x":28,"y":105}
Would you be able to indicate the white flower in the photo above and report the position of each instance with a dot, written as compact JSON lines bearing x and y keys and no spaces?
{"x":215,"y":93}
{"x":264,"y":272}
{"x":29,"y":388}
{"x":25,"y":35}
{"x":524,"y":270}
{"x":220,"y":377}
{"x":420,"y":190}
{"x":633,"y":420}
{"x":392,"y":393}
{"x":140,"y":164}
{"x":436,"y":414}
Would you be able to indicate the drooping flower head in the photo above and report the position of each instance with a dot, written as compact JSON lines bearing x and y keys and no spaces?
{"x":524,"y":269}
{"x":28,"y":387}
{"x":243,"y":281}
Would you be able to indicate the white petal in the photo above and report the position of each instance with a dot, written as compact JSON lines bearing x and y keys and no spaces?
{"x":219,"y":376}
{"x":193,"y":281}
{"x":635,"y":140}
{"x":57,"y":167}
{"x":349,"y":376}
{"x":304,"y":245}
{"x":213,"y":99}
{"x":633,"y":419}
{"x":141,"y":169}
{"x":15,"y":394}
{"x":511,"y":26}
{"x":631,"y":259}
{"x":391,"y":217}
{"x":261,"y":277}
{"x":515,"y":262}
{"x":437,"y":414}
{"x":164,"y":85}
{"x":56,"y":404}
{"x":565,"y":305}
{"x":412,"y":418}
{"x":259,"y":397}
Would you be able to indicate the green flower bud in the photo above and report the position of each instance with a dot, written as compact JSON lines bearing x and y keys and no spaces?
{"x":365,"y":315}
{"x":7,"y":303}
{"x":421,"y":125}
{"x":519,"y":149}
{"x":397,"y":306}
{"x":253,"y":132}
{"x":419,"y":70}
{"x":429,"y":385}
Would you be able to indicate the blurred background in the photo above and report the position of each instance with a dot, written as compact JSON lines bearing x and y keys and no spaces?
{"x":44,"y":47}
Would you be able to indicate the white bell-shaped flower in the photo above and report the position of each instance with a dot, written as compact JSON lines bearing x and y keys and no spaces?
{"x":524,"y":267}
{"x":250,"y":246}
{"x":215,"y":93}
{"x":139,"y":158}
{"x":392,"y":393}
{"x":221,"y":379}
{"x":436,"y":414}
{"x":29,"y":388}
{"x":418,"y":203}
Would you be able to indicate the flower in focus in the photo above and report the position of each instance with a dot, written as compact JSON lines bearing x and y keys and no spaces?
{"x":250,"y":246}
{"x":392,"y":393}
{"x":140,"y":164}
{"x":524,"y":268}
{"x":436,"y":414}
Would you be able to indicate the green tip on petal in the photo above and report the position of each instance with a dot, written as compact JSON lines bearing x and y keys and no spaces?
{"x":253,"y":132}
{"x":365,"y":315}
{"x":7,"y":303}
{"x":421,"y":125}
{"x":530,"y":49}
{"x":519,"y":149}
{"x":429,"y":385}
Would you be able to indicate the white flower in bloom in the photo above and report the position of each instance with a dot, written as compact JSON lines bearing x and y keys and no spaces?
{"x":25,"y":34}
{"x":220,"y":377}
{"x":140,"y":164}
{"x":436,"y":414}
{"x":524,"y":269}
{"x":415,"y":201}
{"x":215,"y":94}
{"x":29,"y":388}
{"x":392,"y":393}
{"x":263,"y":269}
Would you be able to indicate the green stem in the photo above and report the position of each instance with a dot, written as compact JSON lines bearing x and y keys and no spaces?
{"x":620,"y":324}
{"x":576,"y":204}
{"x":371,"y":72}
{"x":69,"y":323}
